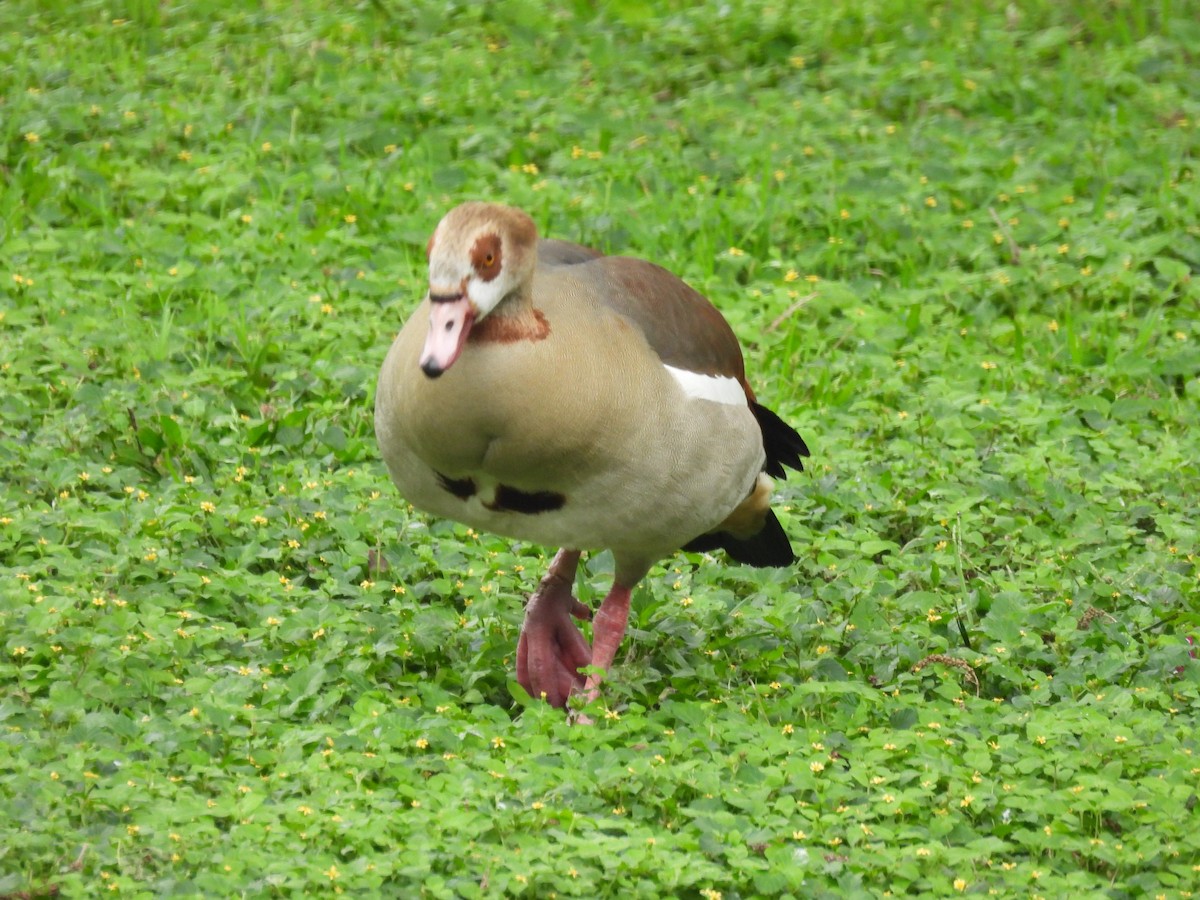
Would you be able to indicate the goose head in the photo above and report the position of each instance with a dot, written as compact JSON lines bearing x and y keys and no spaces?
{"x":481,"y":259}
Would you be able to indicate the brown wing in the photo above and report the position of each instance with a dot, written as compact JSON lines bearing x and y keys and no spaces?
{"x":683,"y":328}
{"x":687,"y":331}
{"x":680,"y":324}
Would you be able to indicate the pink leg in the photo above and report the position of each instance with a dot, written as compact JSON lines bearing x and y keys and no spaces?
{"x":608,"y":628}
{"x":551,"y":649}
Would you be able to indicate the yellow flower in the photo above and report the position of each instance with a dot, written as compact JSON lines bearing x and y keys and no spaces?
{"x":32,"y":137}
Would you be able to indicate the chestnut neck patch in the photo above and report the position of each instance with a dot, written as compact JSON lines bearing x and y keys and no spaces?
{"x":530,"y":325}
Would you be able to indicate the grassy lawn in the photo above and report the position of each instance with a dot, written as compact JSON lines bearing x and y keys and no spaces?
{"x":960,"y":244}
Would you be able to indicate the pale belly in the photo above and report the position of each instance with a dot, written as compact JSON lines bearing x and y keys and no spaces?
{"x":619,"y":508}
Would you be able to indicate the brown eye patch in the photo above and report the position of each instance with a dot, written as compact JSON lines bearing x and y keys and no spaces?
{"x":485,"y":256}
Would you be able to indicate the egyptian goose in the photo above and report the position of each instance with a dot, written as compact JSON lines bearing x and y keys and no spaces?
{"x":549,"y":393}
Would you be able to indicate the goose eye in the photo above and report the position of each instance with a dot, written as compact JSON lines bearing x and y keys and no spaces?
{"x":487,"y":255}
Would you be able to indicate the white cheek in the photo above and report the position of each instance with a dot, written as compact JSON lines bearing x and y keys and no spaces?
{"x":486,"y":295}
{"x":717,"y":388}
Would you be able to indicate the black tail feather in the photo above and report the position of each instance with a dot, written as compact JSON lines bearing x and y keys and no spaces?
{"x":770,"y":547}
{"x":783,"y":445}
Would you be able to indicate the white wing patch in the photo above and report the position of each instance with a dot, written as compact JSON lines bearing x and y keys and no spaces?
{"x":717,"y":388}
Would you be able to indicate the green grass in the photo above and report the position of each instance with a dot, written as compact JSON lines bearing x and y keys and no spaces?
{"x":977,"y":233}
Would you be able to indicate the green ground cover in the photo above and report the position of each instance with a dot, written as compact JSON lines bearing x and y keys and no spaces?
{"x":960,"y":246}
